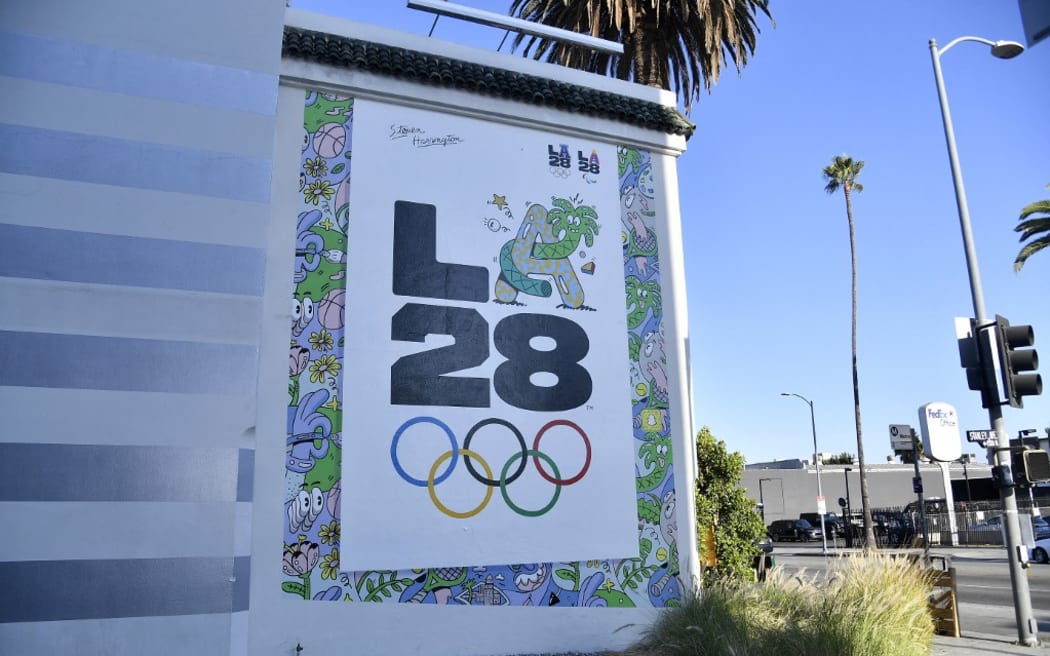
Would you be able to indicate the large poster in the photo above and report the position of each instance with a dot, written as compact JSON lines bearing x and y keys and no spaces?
{"x":316,"y":550}
{"x":486,"y":326}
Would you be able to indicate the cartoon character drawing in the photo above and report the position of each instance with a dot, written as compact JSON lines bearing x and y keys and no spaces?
{"x":655,"y":454}
{"x":533,"y":583}
{"x":643,"y":298}
{"x":302,"y":449}
{"x":664,"y":584}
{"x":542,"y":247}
{"x":304,"y":510}
{"x":640,"y":244}
{"x":308,"y":245}
{"x":439,"y":581}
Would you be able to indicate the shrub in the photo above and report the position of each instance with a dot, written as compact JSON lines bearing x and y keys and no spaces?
{"x":722,"y":504}
{"x":867,"y":605}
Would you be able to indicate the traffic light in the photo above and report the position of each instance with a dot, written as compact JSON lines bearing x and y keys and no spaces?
{"x":1030,"y":463}
{"x":1015,"y":358}
{"x":1002,"y":477}
{"x":976,"y":351}
{"x":1036,"y":465}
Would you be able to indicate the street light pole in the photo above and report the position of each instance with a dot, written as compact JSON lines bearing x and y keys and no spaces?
{"x":966,"y":476}
{"x":762,"y":498}
{"x":816,"y":458}
{"x":1026,"y":626}
{"x":849,"y":509}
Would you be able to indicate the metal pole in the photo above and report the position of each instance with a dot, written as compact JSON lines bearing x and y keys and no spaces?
{"x":849,"y":509}
{"x":762,"y":499}
{"x":922,"y":501}
{"x":966,"y":475}
{"x":816,"y":457}
{"x":1026,"y":625}
{"x":820,"y":489}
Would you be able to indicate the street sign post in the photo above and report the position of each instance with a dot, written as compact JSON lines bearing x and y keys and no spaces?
{"x":986,"y":438}
{"x":900,"y":437}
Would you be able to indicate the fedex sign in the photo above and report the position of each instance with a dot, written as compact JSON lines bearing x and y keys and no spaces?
{"x":939,"y":426}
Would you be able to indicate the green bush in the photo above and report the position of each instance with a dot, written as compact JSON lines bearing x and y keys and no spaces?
{"x":721,"y":503}
{"x":868,"y":605}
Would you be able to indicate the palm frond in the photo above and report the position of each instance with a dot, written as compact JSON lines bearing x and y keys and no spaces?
{"x":1038,"y":207}
{"x":1029,"y":249}
{"x":842,"y":173}
{"x":1032,"y":227}
{"x":674,"y":44}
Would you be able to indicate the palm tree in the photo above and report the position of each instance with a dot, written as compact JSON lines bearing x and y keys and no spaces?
{"x":665,"y":42}
{"x":1030,"y":226}
{"x":842,"y":174}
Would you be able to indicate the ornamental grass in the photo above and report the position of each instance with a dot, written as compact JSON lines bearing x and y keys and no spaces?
{"x":869,"y":605}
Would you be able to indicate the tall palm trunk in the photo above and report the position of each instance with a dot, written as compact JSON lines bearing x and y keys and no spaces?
{"x":869,"y":532}
{"x":645,"y":66}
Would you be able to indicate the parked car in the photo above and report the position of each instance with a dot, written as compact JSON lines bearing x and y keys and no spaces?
{"x":1041,"y":551}
{"x":934,"y":505}
{"x":893,"y":528}
{"x":832,"y":523}
{"x":793,"y":529}
{"x":1040,"y":527}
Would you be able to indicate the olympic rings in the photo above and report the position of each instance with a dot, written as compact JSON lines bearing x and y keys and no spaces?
{"x":431,"y":482}
{"x":536,"y":448}
{"x":397,"y":438}
{"x":503,"y":486}
{"x":506,"y":476}
{"x":521,"y":441}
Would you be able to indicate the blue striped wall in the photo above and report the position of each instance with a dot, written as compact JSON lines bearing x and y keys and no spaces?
{"x":135,"y":166}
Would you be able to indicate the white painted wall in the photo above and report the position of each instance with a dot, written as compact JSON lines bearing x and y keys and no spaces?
{"x":146,"y":247}
{"x":280,"y":624}
{"x":125,"y":128}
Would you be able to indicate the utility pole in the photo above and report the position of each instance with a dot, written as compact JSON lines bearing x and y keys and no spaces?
{"x":1027,"y":631}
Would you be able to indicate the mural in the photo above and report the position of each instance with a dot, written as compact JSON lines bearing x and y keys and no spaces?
{"x":535,"y":261}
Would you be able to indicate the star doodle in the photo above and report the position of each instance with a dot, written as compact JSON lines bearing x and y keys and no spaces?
{"x":326,"y":224}
{"x":499,"y":201}
{"x":333,"y":403}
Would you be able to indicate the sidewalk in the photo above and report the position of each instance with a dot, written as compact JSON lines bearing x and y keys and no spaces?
{"x":976,"y":644}
{"x":971,"y":643}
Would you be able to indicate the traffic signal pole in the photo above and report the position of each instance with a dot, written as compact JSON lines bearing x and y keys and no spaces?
{"x":1026,"y":625}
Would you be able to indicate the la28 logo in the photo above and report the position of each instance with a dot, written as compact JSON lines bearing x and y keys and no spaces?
{"x":560,"y":158}
{"x":422,"y":378}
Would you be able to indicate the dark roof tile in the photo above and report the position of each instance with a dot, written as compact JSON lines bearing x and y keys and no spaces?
{"x":446,"y":72}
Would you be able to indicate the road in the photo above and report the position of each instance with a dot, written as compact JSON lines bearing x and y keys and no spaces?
{"x":982,"y":586}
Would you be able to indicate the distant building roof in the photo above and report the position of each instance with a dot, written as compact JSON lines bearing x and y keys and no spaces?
{"x":427,"y":68}
{"x":793,"y":463}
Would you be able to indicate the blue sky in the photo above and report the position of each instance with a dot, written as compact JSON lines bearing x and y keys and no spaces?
{"x":767,"y":251}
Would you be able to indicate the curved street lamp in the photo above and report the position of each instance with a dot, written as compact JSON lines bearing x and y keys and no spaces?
{"x":816,"y":460}
{"x":1026,"y":625}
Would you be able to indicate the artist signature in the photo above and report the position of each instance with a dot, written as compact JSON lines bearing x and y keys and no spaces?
{"x":419,"y":136}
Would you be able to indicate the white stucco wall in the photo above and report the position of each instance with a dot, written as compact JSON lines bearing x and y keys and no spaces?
{"x":147,"y":230}
{"x":135,"y":146}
